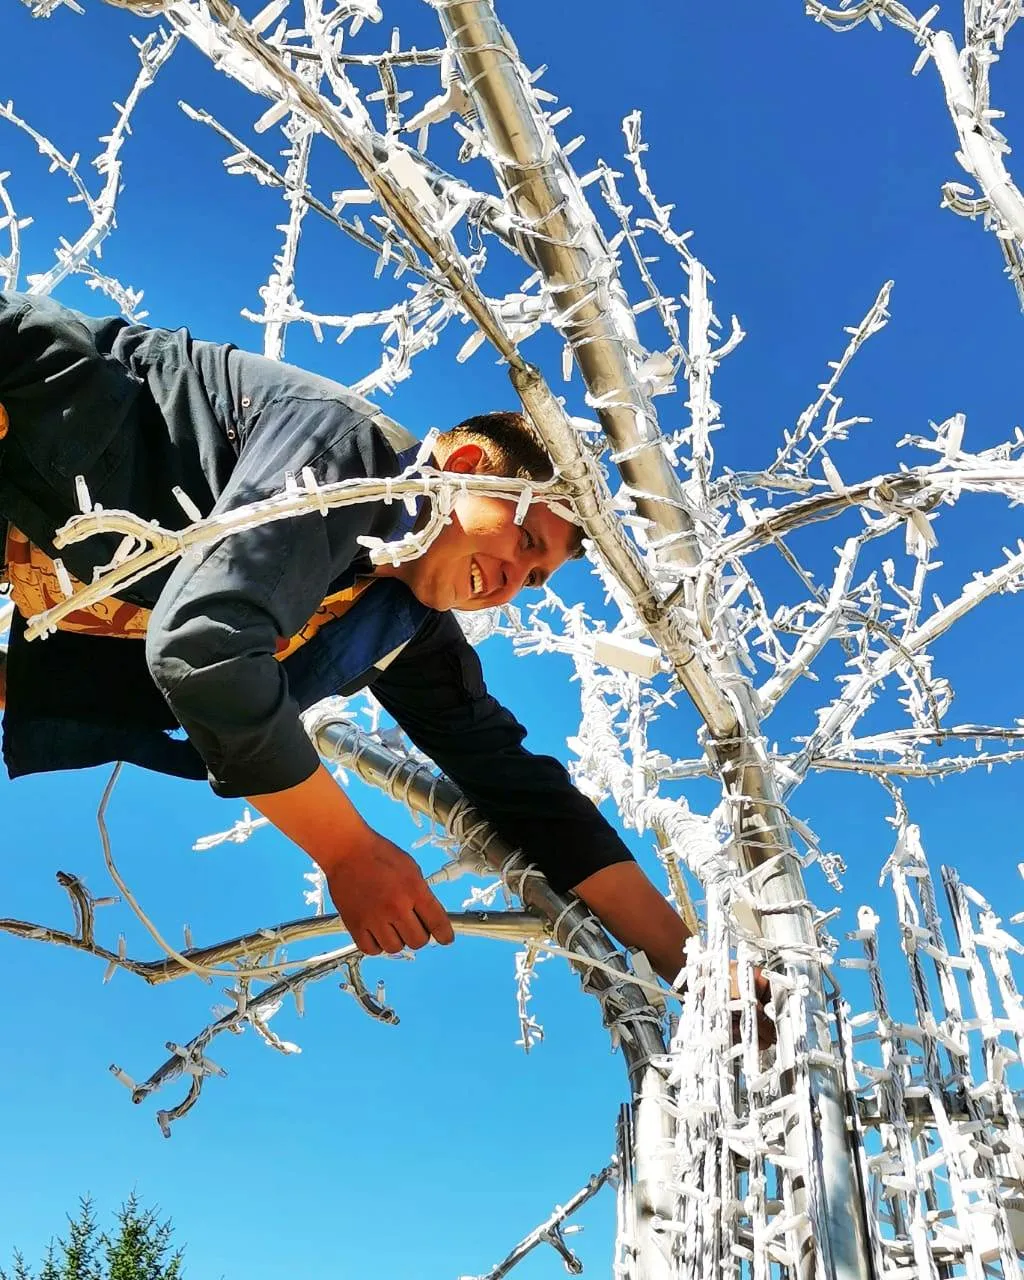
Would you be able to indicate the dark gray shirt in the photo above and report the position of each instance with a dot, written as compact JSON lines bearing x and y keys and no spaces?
{"x":138,"y":411}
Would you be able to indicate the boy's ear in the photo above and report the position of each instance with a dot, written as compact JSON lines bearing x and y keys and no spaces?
{"x":468,"y":459}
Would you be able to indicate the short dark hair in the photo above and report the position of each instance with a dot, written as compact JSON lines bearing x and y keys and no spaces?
{"x":511,"y":442}
{"x":513,"y":447}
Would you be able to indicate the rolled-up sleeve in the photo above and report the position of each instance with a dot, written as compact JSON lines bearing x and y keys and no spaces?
{"x":215,"y":629}
{"x":436,"y":692}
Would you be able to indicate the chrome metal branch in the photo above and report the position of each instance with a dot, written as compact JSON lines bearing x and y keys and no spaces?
{"x":549,"y":1232}
{"x":511,"y":926}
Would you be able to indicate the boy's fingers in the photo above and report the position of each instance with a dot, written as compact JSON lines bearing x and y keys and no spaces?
{"x":414,"y":934}
{"x":387,"y":938}
{"x":435,"y":919}
{"x":366,"y":942}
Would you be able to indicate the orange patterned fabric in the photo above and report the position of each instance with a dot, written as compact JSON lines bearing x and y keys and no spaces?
{"x":35,"y":587}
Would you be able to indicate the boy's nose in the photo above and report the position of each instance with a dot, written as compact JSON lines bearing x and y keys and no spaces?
{"x":523,"y":568}
{"x":515,"y":575}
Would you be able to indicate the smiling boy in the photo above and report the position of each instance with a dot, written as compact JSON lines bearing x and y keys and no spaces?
{"x":232,"y":648}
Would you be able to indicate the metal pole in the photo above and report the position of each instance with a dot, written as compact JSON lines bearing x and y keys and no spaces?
{"x":562,"y":239}
{"x":623,"y":1004}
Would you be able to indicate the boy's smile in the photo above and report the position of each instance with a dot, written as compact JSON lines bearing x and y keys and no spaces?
{"x":482,"y":558}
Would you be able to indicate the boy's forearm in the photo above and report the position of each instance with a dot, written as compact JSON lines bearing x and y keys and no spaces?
{"x":625,"y":901}
{"x":318,"y":816}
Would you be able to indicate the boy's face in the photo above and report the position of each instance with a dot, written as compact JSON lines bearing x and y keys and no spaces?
{"x":482,"y":558}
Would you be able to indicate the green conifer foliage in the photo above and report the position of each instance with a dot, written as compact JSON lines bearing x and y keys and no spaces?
{"x":139,"y":1248}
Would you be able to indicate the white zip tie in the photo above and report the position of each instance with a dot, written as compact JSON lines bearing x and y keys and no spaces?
{"x":186,"y":504}
{"x":63,"y":578}
{"x":82,"y":494}
{"x":313,"y":489}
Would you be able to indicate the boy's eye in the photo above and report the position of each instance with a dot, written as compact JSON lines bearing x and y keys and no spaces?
{"x":526,"y":541}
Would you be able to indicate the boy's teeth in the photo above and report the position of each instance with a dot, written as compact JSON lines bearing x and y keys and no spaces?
{"x":476,"y":580}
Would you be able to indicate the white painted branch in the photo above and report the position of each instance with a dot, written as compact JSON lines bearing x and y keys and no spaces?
{"x":790,"y":457}
{"x":817,"y":636}
{"x":980,"y":155}
{"x":278,"y":293}
{"x":846,"y":710}
{"x":56,"y":158}
{"x":158,"y":547}
{"x":896,"y":496}
{"x":153,"y":53}
{"x":10,"y":263}
{"x":964,"y":77}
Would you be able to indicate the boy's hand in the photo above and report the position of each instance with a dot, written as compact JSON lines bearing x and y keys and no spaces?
{"x":383,"y":899}
{"x":379,"y":891}
{"x":763,"y":994}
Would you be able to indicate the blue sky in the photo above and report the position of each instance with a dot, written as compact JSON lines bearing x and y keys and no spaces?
{"x":809,"y":165}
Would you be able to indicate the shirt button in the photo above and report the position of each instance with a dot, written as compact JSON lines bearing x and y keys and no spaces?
{"x":231,"y":433}
{"x":246,"y":402}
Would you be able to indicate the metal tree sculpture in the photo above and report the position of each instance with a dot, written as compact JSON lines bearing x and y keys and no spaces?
{"x":865,"y":1144}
